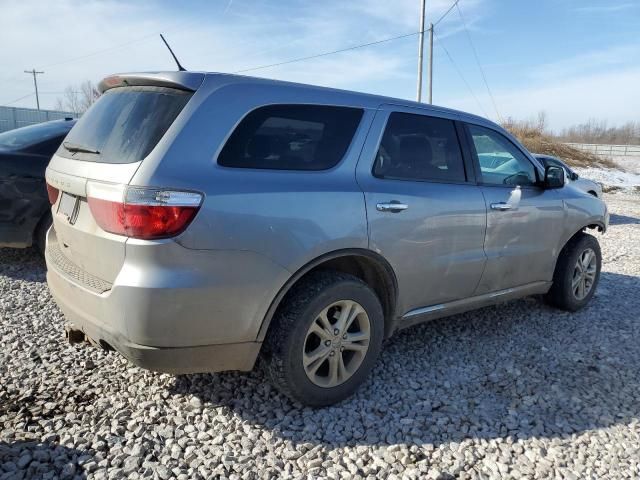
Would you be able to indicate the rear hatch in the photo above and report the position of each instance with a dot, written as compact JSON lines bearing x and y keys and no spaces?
{"x":96,"y":162}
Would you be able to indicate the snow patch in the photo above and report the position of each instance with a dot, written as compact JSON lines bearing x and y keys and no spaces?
{"x":611,"y":177}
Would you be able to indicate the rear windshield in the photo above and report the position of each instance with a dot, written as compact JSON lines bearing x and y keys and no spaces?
{"x":291,"y":137}
{"x":124,"y":124}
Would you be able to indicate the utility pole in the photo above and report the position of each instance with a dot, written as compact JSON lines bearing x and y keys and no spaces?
{"x":430,"y":72}
{"x":35,"y":83}
{"x":421,"y":49}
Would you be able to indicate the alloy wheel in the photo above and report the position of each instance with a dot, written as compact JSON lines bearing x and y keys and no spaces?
{"x":584,"y":274}
{"x":336,"y":343}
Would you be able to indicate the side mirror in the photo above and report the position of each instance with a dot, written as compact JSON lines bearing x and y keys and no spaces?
{"x":574,"y":176}
{"x":554,"y":177}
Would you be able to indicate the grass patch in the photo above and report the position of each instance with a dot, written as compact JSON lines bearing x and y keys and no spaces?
{"x":536,"y":140}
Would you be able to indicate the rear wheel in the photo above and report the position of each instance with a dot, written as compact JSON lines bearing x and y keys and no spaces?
{"x":325,"y":339}
{"x":577,"y":273}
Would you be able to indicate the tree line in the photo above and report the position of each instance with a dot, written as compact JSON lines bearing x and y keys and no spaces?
{"x":598,"y":131}
{"x":592,"y":131}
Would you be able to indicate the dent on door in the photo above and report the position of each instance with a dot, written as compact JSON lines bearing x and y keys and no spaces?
{"x":435,"y":245}
{"x":523,"y":228}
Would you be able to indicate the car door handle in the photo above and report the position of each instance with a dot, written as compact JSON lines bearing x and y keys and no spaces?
{"x":392,"y":206}
{"x":501,"y":206}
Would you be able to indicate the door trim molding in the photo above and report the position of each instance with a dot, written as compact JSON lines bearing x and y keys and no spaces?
{"x":432,"y":312}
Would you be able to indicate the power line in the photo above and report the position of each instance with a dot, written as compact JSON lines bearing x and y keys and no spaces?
{"x":442,"y":17}
{"x":455,"y":65}
{"x":354,"y":47}
{"x":18,"y":99}
{"x":421,"y":51}
{"x":99,"y":52}
{"x":299,"y":59}
{"x":475,"y":54}
{"x":130,"y":42}
{"x":41,"y":93}
{"x":324,"y":54}
{"x":423,"y":6}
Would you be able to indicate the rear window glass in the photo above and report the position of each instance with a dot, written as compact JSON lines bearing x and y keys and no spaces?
{"x":125,"y":124}
{"x":24,"y":137}
{"x":418,"y":147}
{"x":291,"y":137}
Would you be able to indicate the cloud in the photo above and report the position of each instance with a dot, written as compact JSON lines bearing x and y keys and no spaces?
{"x":609,"y":95}
{"x":605,"y":8}
{"x":63,"y":37}
{"x":597,"y":60}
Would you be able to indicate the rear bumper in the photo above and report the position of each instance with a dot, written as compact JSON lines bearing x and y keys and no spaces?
{"x":201,"y":358}
{"x":200,"y":316}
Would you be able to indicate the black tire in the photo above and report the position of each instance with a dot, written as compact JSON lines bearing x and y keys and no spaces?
{"x":40,"y":233}
{"x":561,"y":294}
{"x":285,"y":342}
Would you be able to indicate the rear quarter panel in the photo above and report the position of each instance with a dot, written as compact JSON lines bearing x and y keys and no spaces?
{"x":291,"y":217}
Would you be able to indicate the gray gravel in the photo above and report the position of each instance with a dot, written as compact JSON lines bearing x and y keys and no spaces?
{"x":515,"y":391}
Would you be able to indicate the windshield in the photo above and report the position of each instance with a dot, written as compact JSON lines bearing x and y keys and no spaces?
{"x":547,"y":161}
{"x":24,"y":137}
{"x":124,"y":125}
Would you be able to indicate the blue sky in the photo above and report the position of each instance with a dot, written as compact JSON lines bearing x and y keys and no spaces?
{"x":573,"y":59}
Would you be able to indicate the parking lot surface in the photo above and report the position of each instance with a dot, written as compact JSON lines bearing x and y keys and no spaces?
{"x":514,"y":391}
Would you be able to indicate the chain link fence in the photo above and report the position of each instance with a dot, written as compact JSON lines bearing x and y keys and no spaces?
{"x":607,"y":150}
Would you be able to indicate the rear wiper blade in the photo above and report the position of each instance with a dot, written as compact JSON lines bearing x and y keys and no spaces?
{"x":72,"y":147}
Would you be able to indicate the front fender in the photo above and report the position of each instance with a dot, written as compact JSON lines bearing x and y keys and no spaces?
{"x":583,"y":211}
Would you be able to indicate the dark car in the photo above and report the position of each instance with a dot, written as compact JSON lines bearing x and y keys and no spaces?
{"x":588,"y":186}
{"x":25,"y":152}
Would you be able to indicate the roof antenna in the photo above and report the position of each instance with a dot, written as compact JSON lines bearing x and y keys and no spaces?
{"x":180,"y":67}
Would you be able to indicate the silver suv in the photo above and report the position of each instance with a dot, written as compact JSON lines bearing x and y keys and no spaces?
{"x":202,"y":220}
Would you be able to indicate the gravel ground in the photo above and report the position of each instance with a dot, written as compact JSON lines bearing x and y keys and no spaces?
{"x":518,"y":390}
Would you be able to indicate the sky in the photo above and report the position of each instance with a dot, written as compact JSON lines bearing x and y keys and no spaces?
{"x":572,"y":59}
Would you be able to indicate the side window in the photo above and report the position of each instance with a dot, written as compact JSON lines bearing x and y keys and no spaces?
{"x":418,"y":147}
{"x":501,"y":162}
{"x":291,"y":137}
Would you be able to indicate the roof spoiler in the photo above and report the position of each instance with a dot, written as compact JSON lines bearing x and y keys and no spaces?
{"x":189,"y":81}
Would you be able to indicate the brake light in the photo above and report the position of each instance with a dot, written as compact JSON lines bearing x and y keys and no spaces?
{"x":144,"y":213}
{"x":53,"y":193}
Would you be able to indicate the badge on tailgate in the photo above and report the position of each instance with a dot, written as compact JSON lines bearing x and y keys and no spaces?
{"x":68,"y":207}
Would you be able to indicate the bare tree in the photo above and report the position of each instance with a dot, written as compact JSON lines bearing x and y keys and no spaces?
{"x":533,"y":126}
{"x":597,"y":131}
{"x":542,"y":121}
{"x":77,"y":99}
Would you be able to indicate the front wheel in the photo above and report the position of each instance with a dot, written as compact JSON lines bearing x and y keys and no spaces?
{"x":577,"y":273}
{"x":325,"y":339}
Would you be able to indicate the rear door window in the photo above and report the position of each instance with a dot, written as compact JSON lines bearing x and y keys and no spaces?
{"x":291,"y":137}
{"x":419,"y":147}
{"x":125,"y":124}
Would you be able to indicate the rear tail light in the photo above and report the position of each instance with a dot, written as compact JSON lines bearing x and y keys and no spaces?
{"x":53,"y":193}
{"x":139,"y":212}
